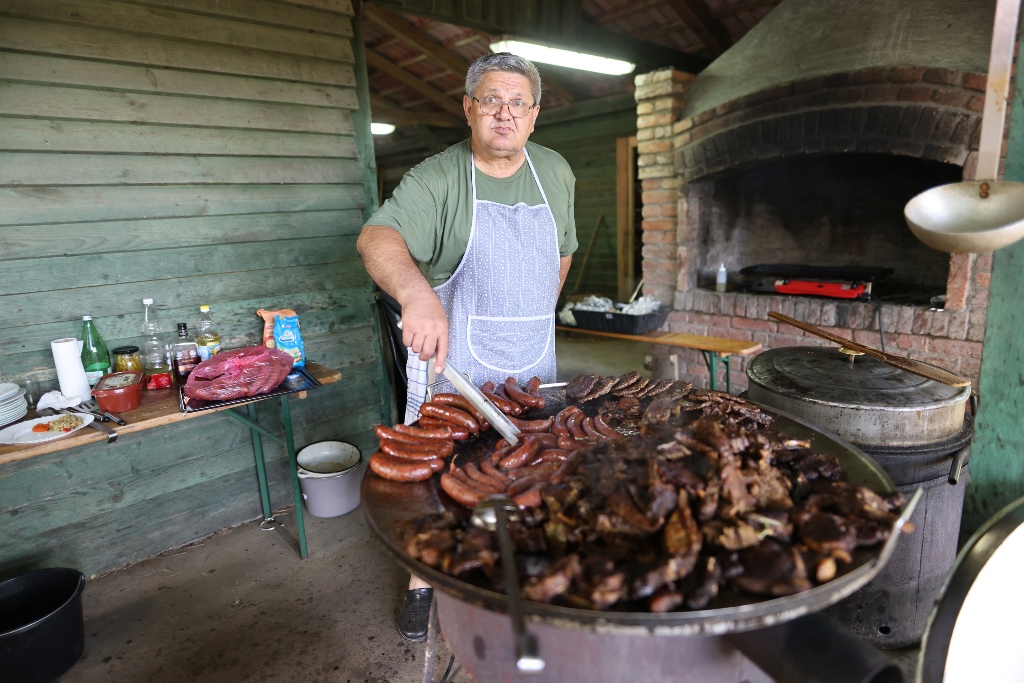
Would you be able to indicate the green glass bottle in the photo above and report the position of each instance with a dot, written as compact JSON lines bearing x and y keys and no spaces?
{"x":95,"y":358}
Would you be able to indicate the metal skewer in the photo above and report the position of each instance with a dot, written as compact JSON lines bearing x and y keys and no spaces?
{"x":494,"y":513}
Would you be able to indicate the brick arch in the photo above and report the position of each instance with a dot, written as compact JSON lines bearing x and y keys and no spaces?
{"x":926,"y":113}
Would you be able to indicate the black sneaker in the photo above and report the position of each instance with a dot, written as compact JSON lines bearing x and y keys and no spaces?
{"x":415,"y":616}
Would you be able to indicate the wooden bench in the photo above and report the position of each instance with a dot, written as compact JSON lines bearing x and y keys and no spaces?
{"x":715,"y":350}
{"x":160,"y":408}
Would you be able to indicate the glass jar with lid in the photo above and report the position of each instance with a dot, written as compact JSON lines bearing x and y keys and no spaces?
{"x":126,"y":359}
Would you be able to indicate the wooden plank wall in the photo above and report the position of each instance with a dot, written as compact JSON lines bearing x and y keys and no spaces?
{"x":589,"y":147}
{"x":192,"y":151}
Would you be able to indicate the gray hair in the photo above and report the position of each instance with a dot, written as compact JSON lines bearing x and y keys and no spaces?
{"x":503,"y":61}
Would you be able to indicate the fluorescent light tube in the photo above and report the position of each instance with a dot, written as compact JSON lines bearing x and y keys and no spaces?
{"x":567,"y":58}
{"x":382,"y":128}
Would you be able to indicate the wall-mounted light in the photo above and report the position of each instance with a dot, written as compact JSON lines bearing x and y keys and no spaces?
{"x":382,"y":128}
{"x":566,"y":58}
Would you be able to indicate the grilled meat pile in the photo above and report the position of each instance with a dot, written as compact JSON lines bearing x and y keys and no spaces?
{"x":706,"y":498}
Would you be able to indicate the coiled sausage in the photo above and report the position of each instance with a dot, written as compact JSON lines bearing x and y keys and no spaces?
{"x":461,"y":492}
{"x":450,"y":414}
{"x":397,"y":469}
{"x":412,"y":452}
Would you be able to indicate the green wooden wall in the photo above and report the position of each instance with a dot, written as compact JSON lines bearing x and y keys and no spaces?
{"x":997,"y":458}
{"x":192,"y":151}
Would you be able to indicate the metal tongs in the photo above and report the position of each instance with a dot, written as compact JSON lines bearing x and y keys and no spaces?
{"x":497,"y":418}
{"x":494,"y":513}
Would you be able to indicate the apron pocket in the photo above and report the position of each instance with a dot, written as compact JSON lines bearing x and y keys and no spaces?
{"x":509,"y":345}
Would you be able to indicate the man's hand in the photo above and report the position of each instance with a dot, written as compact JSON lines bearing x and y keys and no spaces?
{"x":424,"y":323}
{"x":425,"y":327}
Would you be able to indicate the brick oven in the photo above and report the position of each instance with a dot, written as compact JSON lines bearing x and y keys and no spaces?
{"x":801,"y":144}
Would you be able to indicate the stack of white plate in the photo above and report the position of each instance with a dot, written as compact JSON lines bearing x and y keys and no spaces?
{"x":13,"y":405}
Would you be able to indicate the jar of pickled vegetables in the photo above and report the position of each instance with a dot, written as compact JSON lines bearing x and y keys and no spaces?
{"x":126,"y":359}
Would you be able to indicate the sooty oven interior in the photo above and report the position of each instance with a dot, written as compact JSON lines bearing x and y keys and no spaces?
{"x":822,"y":210}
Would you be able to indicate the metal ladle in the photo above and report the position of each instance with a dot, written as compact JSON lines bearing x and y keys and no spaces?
{"x":494,"y":513}
{"x":977,"y":216}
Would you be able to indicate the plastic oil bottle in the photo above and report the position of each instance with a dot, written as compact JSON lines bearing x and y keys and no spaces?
{"x":155,"y":363}
{"x":208,"y":339}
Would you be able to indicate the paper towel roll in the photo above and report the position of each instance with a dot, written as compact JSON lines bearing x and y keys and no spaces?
{"x":70,"y":372}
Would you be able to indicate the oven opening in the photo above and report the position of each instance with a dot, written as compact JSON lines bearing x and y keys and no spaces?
{"x":829,"y":210}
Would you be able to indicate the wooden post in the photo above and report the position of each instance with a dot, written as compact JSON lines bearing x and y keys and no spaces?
{"x":625,"y":212}
{"x":997,"y":469}
{"x":586,"y":255}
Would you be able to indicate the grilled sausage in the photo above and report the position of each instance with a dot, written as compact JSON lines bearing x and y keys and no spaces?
{"x":461,"y":492}
{"x":397,"y":469}
{"x":521,"y":455}
{"x":503,"y":404}
{"x":487,"y":387}
{"x":423,"y":432}
{"x":558,"y":427}
{"x":482,"y":481}
{"x":605,"y":429}
{"x":450,"y":414}
{"x":500,"y":454}
{"x":567,"y":467}
{"x":588,"y":428}
{"x":573,"y":425}
{"x":463,"y":403}
{"x":531,"y":498}
{"x":411,"y":452}
{"x":521,"y":397}
{"x":551,"y":455}
{"x":488,"y":468}
{"x":532,"y":426}
{"x":567,"y":443}
{"x":533,"y":389}
{"x":383,"y":433}
{"x":458,"y":433}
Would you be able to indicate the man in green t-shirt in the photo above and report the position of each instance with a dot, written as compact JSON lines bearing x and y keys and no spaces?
{"x":490,"y":221}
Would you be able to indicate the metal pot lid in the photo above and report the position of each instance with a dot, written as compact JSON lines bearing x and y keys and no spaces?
{"x":827,"y":376}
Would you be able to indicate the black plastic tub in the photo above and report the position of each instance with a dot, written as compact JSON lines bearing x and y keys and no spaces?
{"x":42,"y":630}
{"x":621,"y":323}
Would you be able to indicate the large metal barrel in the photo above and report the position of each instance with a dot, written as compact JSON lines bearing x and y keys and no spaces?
{"x":917,"y":430}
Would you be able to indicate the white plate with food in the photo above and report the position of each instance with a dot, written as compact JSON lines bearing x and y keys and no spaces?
{"x":57,"y":427}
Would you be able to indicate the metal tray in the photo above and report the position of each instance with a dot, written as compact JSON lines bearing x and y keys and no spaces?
{"x":298,"y":380}
{"x":390,"y":505}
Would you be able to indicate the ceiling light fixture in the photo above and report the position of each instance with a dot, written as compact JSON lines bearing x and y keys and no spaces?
{"x":566,"y":58}
{"x":382,"y":128}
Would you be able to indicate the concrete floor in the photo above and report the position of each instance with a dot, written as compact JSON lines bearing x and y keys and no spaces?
{"x":241,"y":606}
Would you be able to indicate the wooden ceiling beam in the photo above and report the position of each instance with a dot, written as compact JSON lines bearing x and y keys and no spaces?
{"x":434,"y":50}
{"x":631,"y":7}
{"x":698,"y":17}
{"x":384,"y":65}
{"x":387,"y":112}
{"x":567,"y":30}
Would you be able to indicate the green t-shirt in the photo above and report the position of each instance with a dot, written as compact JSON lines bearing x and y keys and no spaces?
{"x":432,"y":208}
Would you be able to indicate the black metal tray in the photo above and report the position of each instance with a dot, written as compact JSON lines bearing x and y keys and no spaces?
{"x":389,"y":507}
{"x":298,"y":380}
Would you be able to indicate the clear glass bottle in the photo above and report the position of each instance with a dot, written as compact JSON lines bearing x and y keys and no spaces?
{"x":186,"y":355}
{"x":208,"y":339}
{"x":95,"y":357}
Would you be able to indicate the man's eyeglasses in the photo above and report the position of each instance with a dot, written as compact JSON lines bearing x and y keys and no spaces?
{"x":492,"y":105}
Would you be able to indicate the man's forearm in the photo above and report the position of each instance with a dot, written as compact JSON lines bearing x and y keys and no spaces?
{"x":424,"y":322}
{"x":388,"y":262}
{"x":563,"y":271}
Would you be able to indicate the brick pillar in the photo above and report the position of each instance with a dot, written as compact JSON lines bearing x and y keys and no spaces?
{"x":660,"y":97}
